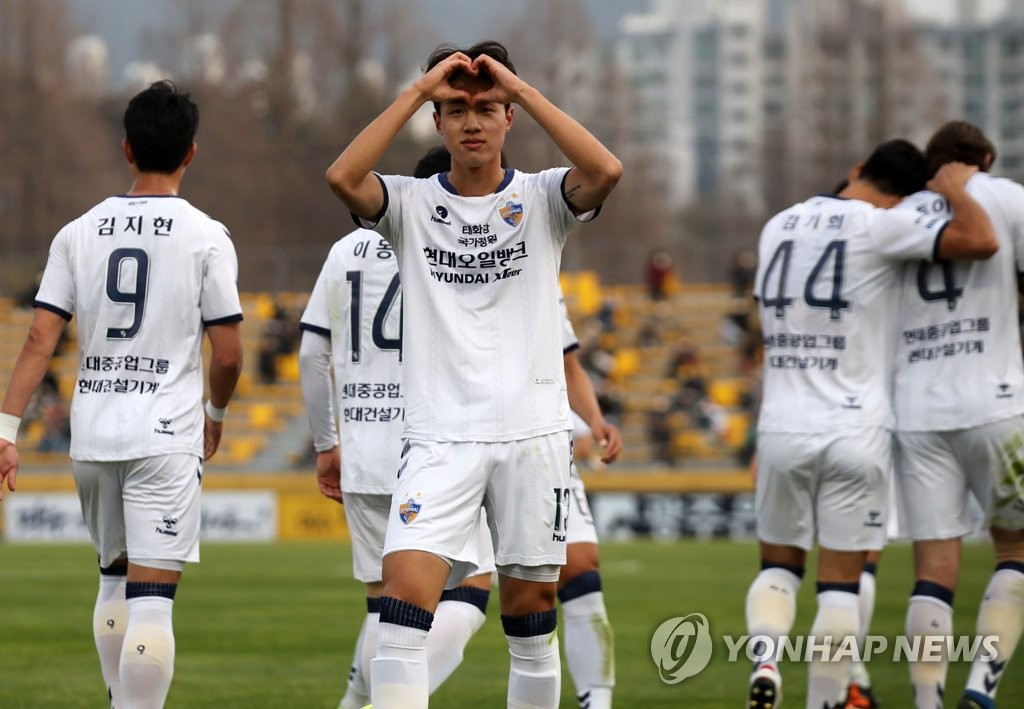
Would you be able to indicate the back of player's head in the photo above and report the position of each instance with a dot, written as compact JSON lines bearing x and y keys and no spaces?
{"x":959,"y":141}
{"x":897,"y":168}
{"x":494,"y":50}
{"x":436,"y":160}
{"x":160,"y":125}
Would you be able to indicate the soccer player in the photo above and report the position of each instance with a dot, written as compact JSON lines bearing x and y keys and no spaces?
{"x":146,"y":273}
{"x":589,"y":643}
{"x":828,"y":280}
{"x":959,"y":398}
{"x":487,"y":417}
{"x":353,"y":322}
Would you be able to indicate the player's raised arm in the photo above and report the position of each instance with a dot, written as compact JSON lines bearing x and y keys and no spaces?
{"x":595,"y":171}
{"x":350,"y":176}
{"x":970,"y":234}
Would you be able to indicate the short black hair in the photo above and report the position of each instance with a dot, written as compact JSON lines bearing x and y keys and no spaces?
{"x":959,"y":141}
{"x":437,"y":159}
{"x":897,"y":168}
{"x":495,"y":50}
{"x":160,"y":125}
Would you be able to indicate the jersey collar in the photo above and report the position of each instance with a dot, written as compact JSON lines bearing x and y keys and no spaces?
{"x":442,"y":177}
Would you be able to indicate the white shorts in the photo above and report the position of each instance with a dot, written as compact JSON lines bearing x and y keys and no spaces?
{"x":832,"y":485}
{"x":581,"y":521}
{"x":367,"y":518}
{"x":523,"y":486}
{"x":935,"y":471}
{"x":148,"y":508}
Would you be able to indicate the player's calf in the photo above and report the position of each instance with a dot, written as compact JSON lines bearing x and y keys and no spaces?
{"x":147,"y":656}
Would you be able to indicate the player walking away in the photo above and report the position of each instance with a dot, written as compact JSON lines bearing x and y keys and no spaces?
{"x":959,"y":398}
{"x":353,"y":323}
{"x":589,"y":643}
{"x":487,"y":418}
{"x":146,"y":273}
{"x":828,"y":278}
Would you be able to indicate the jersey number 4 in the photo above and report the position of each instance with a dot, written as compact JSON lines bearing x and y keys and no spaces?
{"x":834,"y":256}
{"x":380,"y":316}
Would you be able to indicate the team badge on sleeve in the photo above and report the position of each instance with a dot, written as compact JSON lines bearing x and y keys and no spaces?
{"x":407,"y":511}
{"x":511,"y":213}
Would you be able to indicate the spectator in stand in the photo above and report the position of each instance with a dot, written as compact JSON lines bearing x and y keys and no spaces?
{"x":279,"y":338}
{"x":742,"y":271}
{"x":659,"y":274}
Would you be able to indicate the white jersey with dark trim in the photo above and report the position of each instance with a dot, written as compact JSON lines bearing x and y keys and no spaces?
{"x":482,"y":325}
{"x":828,"y":284}
{"x":357,"y":303}
{"x":143,"y":274}
{"x":959,"y":353}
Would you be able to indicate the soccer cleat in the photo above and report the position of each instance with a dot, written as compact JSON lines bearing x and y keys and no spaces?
{"x":860,"y":697}
{"x":765,"y":688}
{"x":973,"y":700}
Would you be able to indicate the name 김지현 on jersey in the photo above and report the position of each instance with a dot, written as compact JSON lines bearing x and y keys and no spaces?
{"x":143,"y":274}
{"x":959,"y":353}
{"x":828,"y":285}
{"x":482,"y":360}
{"x":357,"y":303}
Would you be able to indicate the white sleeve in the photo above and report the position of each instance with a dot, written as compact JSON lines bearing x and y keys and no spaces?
{"x":315,"y":376}
{"x":317,"y":315}
{"x":569,"y":340}
{"x":904,"y":234}
{"x":552,"y":183}
{"x":388,"y":221}
{"x":219,"y":301}
{"x":57,"y":288}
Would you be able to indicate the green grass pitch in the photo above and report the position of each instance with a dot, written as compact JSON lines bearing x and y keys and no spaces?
{"x":273,"y":626}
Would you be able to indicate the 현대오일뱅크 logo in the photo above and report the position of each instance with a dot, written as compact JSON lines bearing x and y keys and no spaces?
{"x":681,"y":647}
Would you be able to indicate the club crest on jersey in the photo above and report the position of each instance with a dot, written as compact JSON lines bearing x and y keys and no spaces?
{"x":407,"y":511}
{"x":511,"y":213}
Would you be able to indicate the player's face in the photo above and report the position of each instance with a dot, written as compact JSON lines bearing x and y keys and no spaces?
{"x":474,"y":133}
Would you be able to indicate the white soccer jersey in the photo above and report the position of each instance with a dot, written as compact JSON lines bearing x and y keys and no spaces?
{"x":482,"y":326}
{"x":357,"y":303}
{"x":828,"y":284}
{"x":959,"y":351}
{"x":143,"y":274}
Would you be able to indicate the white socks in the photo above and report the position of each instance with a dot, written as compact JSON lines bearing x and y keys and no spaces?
{"x":771,"y":606}
{"x":398,"y":675}
{"x":589,"y":643}
{"x":1001,"y":614}
{"x":455,"y":622}
{"x":930,"y":613}
{"x":535,"y":673}
{"x":837,"y":618}
{"x":109,"y":622}
{"x":858,"y":671}
{"x":357,"y":689}
{"x":147,"y":657}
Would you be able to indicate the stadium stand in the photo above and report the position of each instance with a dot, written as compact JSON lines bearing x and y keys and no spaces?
{"x":630,"y":343}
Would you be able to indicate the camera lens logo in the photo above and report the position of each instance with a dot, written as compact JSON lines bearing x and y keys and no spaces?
{"x":681,"y":647}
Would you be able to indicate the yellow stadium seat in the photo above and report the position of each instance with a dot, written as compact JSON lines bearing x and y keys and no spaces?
{"x":736,"y":428}
{"x":726,"y":392}
{"x":588,"y":292}
{"x":263,"y":417}
{"x":627,"y":362}
{"x":288,"y":367}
